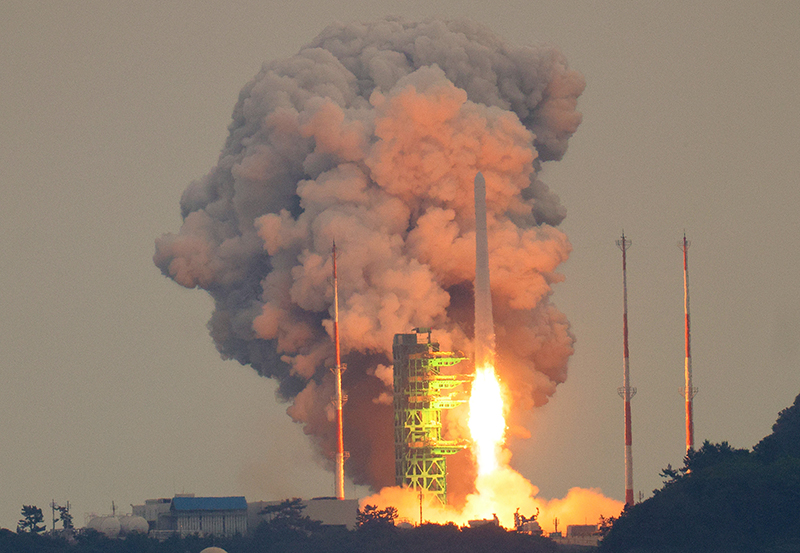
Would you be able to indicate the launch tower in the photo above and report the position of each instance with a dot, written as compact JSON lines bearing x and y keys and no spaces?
{"x":419,"y":448}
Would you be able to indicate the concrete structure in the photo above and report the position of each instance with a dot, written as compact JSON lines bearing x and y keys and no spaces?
{"x":578,"y":536}
{"x":330,"y":511}
{"x":582,"y":534}
{"x":152,"y":510}
{"x":333,"y":512}
{"x":419,"y":448}
{"x":581,"y":530}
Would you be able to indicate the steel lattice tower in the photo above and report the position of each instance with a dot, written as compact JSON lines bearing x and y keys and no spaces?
{"x":420,"y":450}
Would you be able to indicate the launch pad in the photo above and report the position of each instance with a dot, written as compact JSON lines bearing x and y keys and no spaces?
{"x":420,"y":451}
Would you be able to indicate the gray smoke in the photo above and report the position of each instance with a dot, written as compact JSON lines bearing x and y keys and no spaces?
{"x":371,"y":135}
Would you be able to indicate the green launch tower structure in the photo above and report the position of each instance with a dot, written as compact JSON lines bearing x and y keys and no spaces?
{"x":419,"y":448}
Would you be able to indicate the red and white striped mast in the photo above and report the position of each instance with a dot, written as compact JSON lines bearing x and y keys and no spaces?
{"x":626,"y":392}
{"x":340,"y":455}
{"x":688,"y":391}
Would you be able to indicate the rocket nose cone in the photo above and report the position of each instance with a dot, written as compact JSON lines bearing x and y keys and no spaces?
{"x":479,"y":180}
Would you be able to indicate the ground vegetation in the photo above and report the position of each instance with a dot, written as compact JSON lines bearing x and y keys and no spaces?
{"x":722,"y":499}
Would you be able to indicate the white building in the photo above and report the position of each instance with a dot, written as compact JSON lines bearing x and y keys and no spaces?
{"x":152,"y":510}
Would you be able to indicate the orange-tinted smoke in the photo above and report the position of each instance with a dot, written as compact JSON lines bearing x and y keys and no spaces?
{"x":372,"y":136}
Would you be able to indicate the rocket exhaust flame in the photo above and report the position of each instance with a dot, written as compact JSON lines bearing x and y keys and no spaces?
{"x":487,"y":423}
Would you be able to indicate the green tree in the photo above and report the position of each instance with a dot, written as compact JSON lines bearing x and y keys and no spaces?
{"x":31,"y":520}
{"x":605,"y":524}
{"x":370,"y":517}
{"x":286,"y":522}
{"x":286,"y":510}
{"x":722,"y":499}
{"x":785,"y":437}
{"x":65,"y":517}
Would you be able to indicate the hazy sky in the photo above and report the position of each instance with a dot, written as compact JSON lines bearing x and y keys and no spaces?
{"x":112,"y":389}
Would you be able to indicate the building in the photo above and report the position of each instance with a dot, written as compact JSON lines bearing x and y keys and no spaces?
{"x":583,"y":535}
{"x":420,"y":450}
{"x":218,"y":516}
{"x":186,"y":514}
{"x":152,"y":510}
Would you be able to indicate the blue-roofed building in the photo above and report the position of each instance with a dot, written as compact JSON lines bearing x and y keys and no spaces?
{"x":218,"y":516}
{"x":186,"y":503}
{"x":186,"y":514}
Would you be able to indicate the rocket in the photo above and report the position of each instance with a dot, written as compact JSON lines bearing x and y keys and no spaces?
{"x":484,"y":322}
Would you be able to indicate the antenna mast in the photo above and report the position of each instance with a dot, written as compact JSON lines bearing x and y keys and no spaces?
{"x":626,"y":392}
{"x":688,"y":391}
{"x":340,"y":455}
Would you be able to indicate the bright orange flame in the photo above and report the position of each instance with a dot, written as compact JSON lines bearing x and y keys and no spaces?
{"x":499,"y":489}
{"x":487,"y":422}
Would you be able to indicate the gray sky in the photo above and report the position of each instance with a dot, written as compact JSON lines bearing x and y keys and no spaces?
{"x":112,"y":388}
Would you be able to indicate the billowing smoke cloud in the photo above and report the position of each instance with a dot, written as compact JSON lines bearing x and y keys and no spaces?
{"x":371,"y":136}
{"x":501,"y":493}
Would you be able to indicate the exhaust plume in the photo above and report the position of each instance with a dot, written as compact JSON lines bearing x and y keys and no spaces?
{"x":371,"y":135}
{"x":501,"y":493}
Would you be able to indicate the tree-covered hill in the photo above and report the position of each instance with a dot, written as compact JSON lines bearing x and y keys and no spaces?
{"x":722,"y":499}
{"x":297,"y":536}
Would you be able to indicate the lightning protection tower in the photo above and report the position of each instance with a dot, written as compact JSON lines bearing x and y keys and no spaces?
{"x":688,"y":391}
{"x":626,"y":392}
{"x":420,"y":451}
{"x":340,"y":399}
